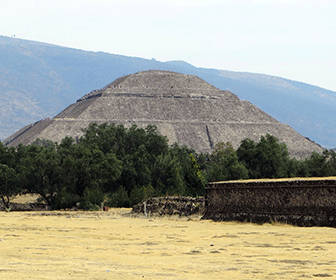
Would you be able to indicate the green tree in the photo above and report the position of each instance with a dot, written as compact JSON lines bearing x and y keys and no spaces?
{"x":332,"y":162}
{"x":40,"y":172}
{"x":140,"y":194}
{"x":167,"y":177}
{"x":92,"y":172}
{"x":7,"y":156}
{"x":266,"y":159}
{"x":193,"y":177}
{"x":224,"y":165}
{"x":135,"y":147}
{"x":119,"y":198}
{"x":8,"y":184}
{"x":319,"y":165}
{"x":123,"y":141}
{"x":246,"y":153}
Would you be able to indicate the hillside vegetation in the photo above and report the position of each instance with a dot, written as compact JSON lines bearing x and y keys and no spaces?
{"x":38,"y":80}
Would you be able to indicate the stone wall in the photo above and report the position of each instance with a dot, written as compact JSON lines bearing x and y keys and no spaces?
{"x":25,"y":207}
{"x":172,"y":205}
{"x":296,"y":201}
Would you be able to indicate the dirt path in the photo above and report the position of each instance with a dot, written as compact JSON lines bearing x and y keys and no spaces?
{"x":114,"y":245}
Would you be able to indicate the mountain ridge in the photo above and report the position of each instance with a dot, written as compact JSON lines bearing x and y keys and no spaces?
{"x":39,"y":79}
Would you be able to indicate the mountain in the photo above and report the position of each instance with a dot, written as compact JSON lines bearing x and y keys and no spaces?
{"x":185,"y":108}
{"x":37,"y":80}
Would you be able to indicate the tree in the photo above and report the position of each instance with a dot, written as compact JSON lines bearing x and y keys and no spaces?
{"x":122,"y":141}
{"x":319,"y":165}
{"x":40,"y":171}
{"x":8,"y":184}
{"x":167,"y":177}
{"x":332,"y":163}
{"x":92,"y":174}
{"x":224,"y":165}
{"x":246,"y":153}
{"x":7,"y":155}
{"x":266,"y":159}
{"x":193,"y":177}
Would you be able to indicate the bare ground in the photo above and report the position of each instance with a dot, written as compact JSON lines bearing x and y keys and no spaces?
{"x":118,"y":245}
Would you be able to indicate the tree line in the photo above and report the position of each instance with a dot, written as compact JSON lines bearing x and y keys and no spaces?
{"x":121,"y":166}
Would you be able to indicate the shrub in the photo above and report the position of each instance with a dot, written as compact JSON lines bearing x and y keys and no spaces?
{"x":118,"y":198}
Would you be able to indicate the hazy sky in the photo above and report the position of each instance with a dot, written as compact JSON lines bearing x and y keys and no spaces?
{"x":295,"y":39}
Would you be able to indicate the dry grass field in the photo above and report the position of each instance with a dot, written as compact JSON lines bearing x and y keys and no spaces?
{"x":330,"y":178}
{"x":117,"y":245}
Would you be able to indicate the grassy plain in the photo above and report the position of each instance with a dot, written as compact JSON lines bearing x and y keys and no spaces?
{"x":116,"y":245}
{"x":330,"y":178}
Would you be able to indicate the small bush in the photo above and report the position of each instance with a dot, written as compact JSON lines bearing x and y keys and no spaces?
{"x":118,"y":198}
{"x":140,"y":194}
{"x":92,"y":199}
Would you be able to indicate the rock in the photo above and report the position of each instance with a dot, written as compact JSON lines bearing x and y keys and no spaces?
{"x":172,"y":205}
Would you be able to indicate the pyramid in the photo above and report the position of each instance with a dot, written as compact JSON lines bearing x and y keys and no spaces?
{"x":185,"y":108}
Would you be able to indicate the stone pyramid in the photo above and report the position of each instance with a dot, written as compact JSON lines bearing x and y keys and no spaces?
{"x":185,"y":108}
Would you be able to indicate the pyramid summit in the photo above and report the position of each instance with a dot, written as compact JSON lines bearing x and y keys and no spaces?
{"x":184,"y":108}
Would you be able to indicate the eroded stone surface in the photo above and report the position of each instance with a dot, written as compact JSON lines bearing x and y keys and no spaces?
{"x":298,"y":201}
{"x":185,"y":108}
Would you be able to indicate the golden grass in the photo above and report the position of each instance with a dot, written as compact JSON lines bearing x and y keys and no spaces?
{"x":25,"y":198}
{"x":115,"y":245}
{"x":281,"y":180}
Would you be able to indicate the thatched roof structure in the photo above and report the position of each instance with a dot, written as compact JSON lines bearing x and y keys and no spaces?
{"x":184,"y":108}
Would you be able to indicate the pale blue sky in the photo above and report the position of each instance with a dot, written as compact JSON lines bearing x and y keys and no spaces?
{"x":295,"y":39}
